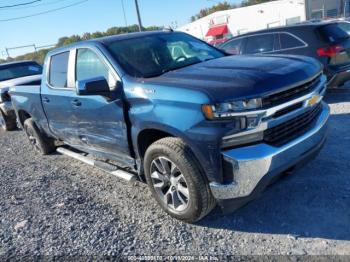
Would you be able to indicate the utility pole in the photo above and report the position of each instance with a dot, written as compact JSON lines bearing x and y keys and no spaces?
{"x":138,"y":15}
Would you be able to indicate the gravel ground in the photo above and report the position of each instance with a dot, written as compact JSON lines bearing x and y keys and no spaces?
{"x":54,"y":205}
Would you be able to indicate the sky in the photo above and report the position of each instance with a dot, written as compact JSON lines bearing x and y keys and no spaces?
{"x":88,"y":16}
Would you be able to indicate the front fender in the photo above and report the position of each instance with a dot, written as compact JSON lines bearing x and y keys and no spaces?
{"x":206,"y":153}
{"x":177,"y":112}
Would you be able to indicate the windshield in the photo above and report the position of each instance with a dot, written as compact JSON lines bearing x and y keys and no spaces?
{"x":150,"y":56}
{"x":13,"y":71}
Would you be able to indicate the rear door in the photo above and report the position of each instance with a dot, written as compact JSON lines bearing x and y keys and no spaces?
{"x":57,"y":95}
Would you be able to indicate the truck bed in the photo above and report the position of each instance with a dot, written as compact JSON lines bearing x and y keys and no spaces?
{"x":27,"y":98}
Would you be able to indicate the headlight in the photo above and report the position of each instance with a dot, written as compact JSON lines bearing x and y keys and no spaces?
{"x":228,"y":110}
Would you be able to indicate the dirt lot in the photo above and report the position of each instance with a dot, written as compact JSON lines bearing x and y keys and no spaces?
{"x":57,"y":206}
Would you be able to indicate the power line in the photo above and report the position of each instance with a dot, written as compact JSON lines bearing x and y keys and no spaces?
{"x":126,"y":21}
{"x":27,"y":3}
{"x":37,"y":5}
{"x":42,"y":13}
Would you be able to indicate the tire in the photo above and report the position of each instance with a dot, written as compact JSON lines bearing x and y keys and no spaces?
{"x":177,"y":181}
{"x":6,"y":123}
{"x":40,"y":143}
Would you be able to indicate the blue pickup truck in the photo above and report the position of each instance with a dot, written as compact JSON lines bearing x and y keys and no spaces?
{"x":200,"y":127}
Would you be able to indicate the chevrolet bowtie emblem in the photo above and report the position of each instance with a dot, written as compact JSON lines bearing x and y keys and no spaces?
{"x":314,"y":100}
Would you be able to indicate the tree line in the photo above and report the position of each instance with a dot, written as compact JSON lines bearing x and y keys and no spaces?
{"x":39,"y":55}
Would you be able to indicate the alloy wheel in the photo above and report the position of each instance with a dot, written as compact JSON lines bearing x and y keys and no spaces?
{"x":170,"y":184}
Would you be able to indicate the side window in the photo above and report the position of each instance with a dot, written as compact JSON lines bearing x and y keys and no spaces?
{"x":58,"y":70}
{"x":259,"y":44}
{"x":89,"y":65}
{"x":289,"y":41}
{"x":233,"y":47}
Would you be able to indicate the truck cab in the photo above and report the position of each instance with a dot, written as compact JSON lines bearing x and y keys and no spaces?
{"x":200,"y":127}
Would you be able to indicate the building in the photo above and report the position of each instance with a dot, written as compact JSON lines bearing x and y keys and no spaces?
{"x":325,"y":9}
{"x":221,"y":25}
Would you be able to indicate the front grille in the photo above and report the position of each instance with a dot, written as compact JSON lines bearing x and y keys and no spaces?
{"x":295,"y":127}
{"x":287,"y":110}
{"x":287,"y":95}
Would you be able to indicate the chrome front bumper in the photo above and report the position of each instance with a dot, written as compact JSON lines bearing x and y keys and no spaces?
{"x":253,"y":164}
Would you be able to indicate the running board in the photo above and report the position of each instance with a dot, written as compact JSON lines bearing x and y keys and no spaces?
{"x":110,"y":169}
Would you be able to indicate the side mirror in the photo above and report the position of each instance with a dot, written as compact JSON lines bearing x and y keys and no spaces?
{"x":97,"y":86}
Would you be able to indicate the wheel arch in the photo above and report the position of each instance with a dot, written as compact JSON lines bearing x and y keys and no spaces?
{"x":150,"y":134}
{"x":23,"y":116}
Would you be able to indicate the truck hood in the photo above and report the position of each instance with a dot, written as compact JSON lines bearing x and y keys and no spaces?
{"x":236,"y":77}
{"x":19,"y":81}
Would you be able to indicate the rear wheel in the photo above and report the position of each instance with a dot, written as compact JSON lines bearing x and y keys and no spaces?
{"x":40,"y":143}
{"x":176,"y":180}
{"x":6,"y":123}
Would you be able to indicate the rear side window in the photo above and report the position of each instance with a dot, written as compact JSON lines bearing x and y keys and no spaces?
{"x":233,"y":47}
{"x":290,"y":41}
{"x":58,"y":70}
{"x":259,"y":44}
{"x":332,"y":33}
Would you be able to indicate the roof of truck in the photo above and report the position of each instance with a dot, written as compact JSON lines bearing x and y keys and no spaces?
{"x":108,"y":39}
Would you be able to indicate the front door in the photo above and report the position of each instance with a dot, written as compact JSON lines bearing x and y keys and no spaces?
{"x":101,"y":124}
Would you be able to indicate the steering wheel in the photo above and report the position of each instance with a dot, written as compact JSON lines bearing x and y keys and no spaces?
{"x":180,"y":58}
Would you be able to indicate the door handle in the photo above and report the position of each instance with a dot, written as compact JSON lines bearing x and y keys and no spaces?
{"x":46,"y":100}
{"x":76,"y":102}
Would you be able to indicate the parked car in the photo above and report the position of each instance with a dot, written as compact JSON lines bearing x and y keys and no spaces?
{"x":15,"y":74}
{"x":201,"y":128}
{"x":325,"y":41}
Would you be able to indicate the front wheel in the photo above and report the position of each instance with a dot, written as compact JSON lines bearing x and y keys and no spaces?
{"x":177,"y":181}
